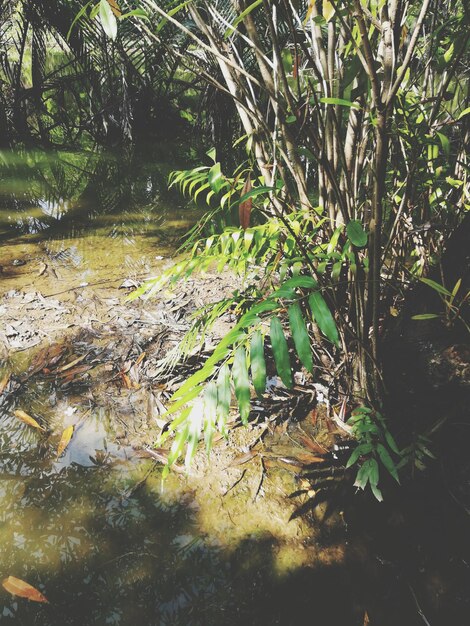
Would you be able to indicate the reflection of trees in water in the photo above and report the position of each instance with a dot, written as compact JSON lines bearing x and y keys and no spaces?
{"x":69,"y":191}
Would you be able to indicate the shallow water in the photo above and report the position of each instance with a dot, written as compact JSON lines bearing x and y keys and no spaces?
{"x":93,"y":215}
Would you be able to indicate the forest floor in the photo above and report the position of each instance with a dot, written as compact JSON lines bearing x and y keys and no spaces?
{"x":83,"y":349}
{"x":99,"y":352}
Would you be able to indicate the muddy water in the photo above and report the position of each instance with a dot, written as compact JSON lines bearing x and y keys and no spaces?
{"x":88,"y":216}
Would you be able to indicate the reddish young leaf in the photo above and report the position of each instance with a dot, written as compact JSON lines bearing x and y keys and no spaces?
{"x":295,"y":66}
{"x":245,"y":207}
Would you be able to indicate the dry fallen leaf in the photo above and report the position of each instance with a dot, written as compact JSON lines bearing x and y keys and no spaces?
{"x":18,"y":587}
{"x":308,"y":459}
{"x":140,"y":359}
{"x":115,"y":8}
{"x":65,"y":440}
{"x":42,"y":269}
{"x":4,"y":383}
{"x":243,"y":458}
{"x":27,"y":419}
{"x":46,"y":358}
{"x":126,"y":381}
{"x":313,"y":446}
{"x":64,"y":368}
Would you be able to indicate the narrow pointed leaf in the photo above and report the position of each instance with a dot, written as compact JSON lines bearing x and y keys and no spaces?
{"x":323,"y":317}
{"x":178,"y":444}
{"x":215,"y":178}
{"x":244,"y":208}
{"x":224,"y":395}
{"x":108,"y":19}
{"x":436,"y":286}
{"x":425,"y":316}
{"x":387,"y":461}
{"x":22,"y":589}
{"x":258,"y":363}
{"x":281,"y":352}
{"x":391,"y":442}
{"x":65,"y":440}
{"x":210,"y":414}
{"x":194,"y":432}
{"x":241,"y":383}
{"x":27,"y":419}
{"x":361,"y":450}
{"x":300,"y":336}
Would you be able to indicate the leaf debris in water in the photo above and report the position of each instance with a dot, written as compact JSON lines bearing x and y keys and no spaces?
{"x":4,"y":383}
{"x":65,"y":440}
{"x":27,"y":419}
{"x":20,"y":588}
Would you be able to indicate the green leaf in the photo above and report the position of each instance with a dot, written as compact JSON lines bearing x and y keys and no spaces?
{"x":300,"y":281}
{"x":256,"y":191}
{"x":258,"y":363}
{"x":281,"y":352}
{"x":464,"y":113}
{"x":377,"y":493}
{"x":224,"y":395}
{"x":136,"y":13}
{"x":328,"y":10}
{"x":445,"y":143}
{"x":387,"y":461}
{"x":334,"y":240}
{"x":362,"y":477}
{"x":436,"y":286}
{"x":373,"y":471}
{"x":242,"y":16}
{"x":322,"y":315}
{"x":108,"y":19}
{"x":187,"y":397}
{"x":425,"y":316}
{"x":300,"y":336}
{"x":210,"y":414}
{"x":456,"y":288}
{"x":212,"y":154}
{"x":215,"y":178}
{"x":391,"y":442}
{"x":340,"y":102}
{"x":356,"y":233}
{"x":241,"y":383}
{"x":369,"y":472}
{"x":194,"y":432}
{"x":178,"y":445}
{"x":361,"y":450}
{"x":80,"y":14}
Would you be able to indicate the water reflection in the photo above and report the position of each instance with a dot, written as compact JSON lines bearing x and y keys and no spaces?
{"x":46,"y":192}
{"x":88,"y":215}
